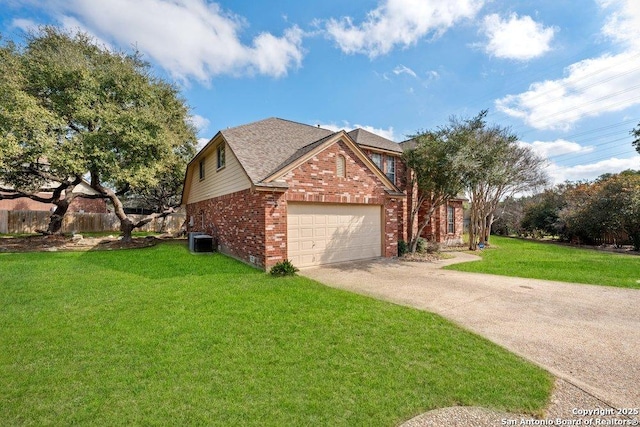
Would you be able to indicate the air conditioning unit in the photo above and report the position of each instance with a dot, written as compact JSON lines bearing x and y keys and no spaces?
{"x":202,"y":243}
{"x":192,"y":235}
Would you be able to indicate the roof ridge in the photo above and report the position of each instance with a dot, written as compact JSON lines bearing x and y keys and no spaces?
{"x":300,"y":123}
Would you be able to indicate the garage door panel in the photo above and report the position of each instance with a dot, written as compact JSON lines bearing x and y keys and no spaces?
{"x":325,"y":233}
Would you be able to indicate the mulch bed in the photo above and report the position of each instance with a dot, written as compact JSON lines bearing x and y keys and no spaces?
{"x":56,"y":243}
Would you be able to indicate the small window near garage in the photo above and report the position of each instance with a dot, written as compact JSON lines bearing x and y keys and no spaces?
{"x":341,"y":166}
{"x":221,"y":156}
{"x":377,"y":159}
{"x":390,"y":163}
{"x":451,"y":219}
{"x":202,"y":169}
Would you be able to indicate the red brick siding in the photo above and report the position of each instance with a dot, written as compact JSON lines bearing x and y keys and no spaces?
{"x":316,"y":181}
{"x":275,"y":228}
{"x":236,"y":221}
{"x":436,"y":230}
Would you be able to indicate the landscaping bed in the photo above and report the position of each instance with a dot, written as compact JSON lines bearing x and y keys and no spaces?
{"x":63,"y":242}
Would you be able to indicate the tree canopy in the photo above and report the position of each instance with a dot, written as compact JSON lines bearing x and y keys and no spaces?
{"x":72,"y":108}
{"x":435,"y":177}
{"x":484,"y":161}
{"x":584,"y":212}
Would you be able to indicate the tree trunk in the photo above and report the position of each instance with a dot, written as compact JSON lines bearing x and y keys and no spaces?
{"x":126,"y":227}
{"x":62,"y":206}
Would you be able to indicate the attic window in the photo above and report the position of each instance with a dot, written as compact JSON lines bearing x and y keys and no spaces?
{"x":221,"y":156}
{"x":341,"y":166}
{"x":201,"y":169}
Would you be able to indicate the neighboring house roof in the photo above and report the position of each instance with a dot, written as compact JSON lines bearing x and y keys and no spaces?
{"x":84,"y":187}
{"x":409,"y":144}
{"x":268,"y":145}
{"x":368,"y":139}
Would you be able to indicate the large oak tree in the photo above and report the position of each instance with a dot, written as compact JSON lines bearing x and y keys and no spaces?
{"x":89,"y":111}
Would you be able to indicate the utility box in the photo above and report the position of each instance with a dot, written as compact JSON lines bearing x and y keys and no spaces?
{"x":202,"y":243}
{"x":192,"y":235}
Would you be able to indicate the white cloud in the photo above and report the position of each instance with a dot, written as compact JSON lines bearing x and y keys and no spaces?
{"x":516,"y":38}
{"x":202,"y":142}
{"x":26,"y":25}
{"x":559,"y":173}
{"x":433,"y":75}
{"x":558,"y":147}
{"x":590,"y":87}
{"x":200,"y":123}
{"x":189,"y":38}
{"x":623,"y":25}
{"x":399,"y":22}
{"x":401,"y":69}
{"x":385,"y":133}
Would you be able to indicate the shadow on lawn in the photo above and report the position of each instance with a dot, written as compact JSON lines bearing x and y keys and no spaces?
{"x":166,"y":260}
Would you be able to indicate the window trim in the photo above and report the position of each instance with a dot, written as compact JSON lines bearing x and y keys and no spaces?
{"x":390,"y":160}
{"x":380,"y":156}
{"x":451,"y":219}
{"x":201,"y":169}
{"x":221,"y":160}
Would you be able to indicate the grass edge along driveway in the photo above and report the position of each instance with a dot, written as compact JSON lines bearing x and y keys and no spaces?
{"x":157,"y":335}
{"x":539,"y":260}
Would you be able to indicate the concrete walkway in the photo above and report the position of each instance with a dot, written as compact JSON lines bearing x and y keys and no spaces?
{"x":589,"y":336}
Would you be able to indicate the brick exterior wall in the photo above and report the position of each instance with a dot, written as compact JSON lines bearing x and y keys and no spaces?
{"x":437,"y":229}
{"x":316,"y":181}
{"x":237,"y":223}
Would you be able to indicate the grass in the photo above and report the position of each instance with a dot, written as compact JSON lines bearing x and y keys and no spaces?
{"x":159,"y":336}
{"x":538,"y":260}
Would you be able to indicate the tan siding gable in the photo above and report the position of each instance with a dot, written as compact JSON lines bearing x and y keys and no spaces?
{"x":216,"y":183}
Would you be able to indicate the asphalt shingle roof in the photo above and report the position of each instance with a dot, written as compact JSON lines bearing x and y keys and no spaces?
{"x":266,"y":146}
{"x":366,"y":138}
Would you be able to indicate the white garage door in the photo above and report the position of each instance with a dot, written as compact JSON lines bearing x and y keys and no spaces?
{"x":325,"y":233}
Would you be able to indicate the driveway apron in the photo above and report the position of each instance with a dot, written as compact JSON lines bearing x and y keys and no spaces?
{"x":587,"y":335}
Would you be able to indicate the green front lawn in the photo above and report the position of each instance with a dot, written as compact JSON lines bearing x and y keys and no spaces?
{"x":538,"y":260}
{"x":158,"y":336}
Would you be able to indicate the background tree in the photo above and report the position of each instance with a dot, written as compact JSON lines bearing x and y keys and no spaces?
{"x":509,"y":216}
{"x":541,"y":213}
{"x":435,"y":177}
{"x":31,"y":151}
{"x":636,"y":133}
{"x":113,"y":119}
{"x":496,"y":167}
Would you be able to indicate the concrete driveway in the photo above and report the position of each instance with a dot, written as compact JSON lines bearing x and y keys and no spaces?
{"x":587,"y":335}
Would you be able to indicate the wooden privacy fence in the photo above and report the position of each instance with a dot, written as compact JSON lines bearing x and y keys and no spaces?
{"x":12,"y":222}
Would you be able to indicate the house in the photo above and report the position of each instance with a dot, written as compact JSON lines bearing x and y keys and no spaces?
{"x":79,"y":204}
{"x":276,"y":189}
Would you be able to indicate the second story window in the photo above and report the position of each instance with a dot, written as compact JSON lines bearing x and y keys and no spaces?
{"x":377,"y":159}
{"x":201,"y":169}
{"x":390,"y":168}
{"x":221,"y":156}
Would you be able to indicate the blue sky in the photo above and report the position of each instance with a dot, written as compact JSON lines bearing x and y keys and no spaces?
{"x":563,"y":74}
